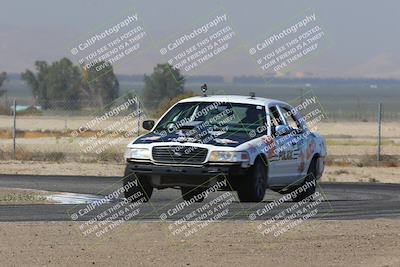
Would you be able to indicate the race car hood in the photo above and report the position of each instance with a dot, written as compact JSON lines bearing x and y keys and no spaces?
{"x":216,"y":138}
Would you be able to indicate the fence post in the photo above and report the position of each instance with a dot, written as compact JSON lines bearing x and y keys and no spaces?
{"x":138,"y":121}
{"x":378,"y":152}
{"x":14,"y":127}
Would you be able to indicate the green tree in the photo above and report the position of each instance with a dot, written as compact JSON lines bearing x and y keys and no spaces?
{"x":56,"y":85}
{"x":64,"y":81}
{"x":164,"y":82}
{"x":38,"y":83}
{"x":101,"y":85}
{"x":64,"y":85}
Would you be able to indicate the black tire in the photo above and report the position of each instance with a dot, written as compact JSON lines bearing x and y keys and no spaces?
{"x":188,"y":193}
{"x":311,"y":176}
{"x":254,"y":184}
{"x":143,"y":186}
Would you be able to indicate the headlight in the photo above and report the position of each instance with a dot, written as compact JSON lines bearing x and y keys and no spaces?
{"x":137,"y":153}
{"x":229,"y":156}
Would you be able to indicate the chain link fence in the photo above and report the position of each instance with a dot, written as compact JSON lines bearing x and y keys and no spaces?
{"x":66,"y":133}
{"x":360,"y":111}
{"x":93,"y":133}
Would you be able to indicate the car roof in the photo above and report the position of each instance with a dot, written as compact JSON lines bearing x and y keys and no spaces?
{"x":233,"y":99}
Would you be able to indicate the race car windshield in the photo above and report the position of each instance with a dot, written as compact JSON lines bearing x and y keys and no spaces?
{"x":220,"y":116}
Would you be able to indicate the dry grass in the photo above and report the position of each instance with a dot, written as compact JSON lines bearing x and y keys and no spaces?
{"x":358,"y":142}
{"x":40,"y":156}
{"x":330,"y":129}
{"x":358,"y":129}
{"x":361,"y":174}
{"x":52,"y":123}
{"x":24,"y":134}
{"x":111,"y":156}
{"x":43,"y":138}
{"x":21,"y":196}
{"x":363,"y":161}
{"x":340,"y":171}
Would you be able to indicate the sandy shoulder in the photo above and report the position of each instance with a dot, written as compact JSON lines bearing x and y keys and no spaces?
{"x":314,"y":243}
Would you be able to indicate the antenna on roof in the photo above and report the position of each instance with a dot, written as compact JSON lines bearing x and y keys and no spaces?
{"x":252,"y":95}
{"x":204,"y":89}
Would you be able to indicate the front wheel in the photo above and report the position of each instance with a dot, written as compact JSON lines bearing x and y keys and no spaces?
{"x":254,"y":184}
{"x":310,"y":180}
{"x":136,"y":188}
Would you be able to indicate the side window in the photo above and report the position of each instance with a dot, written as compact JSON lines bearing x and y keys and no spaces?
{"x":275,"y":117}
{"x":290,"y":119}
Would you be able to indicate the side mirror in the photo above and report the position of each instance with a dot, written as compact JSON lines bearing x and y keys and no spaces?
{"x":282,"y":130}
{"x":148,"y":125}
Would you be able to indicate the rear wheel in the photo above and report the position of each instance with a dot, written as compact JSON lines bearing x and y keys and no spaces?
{"x":136,"y":187}
{"x":254,"y":184}
{"x":188,"y":193}
{"x":310,"y":180}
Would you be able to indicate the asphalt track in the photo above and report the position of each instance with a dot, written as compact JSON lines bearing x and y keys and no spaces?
{"x":338,"y":201}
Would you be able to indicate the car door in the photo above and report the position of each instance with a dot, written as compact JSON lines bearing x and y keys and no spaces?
{"x":281,"y":158}
{"x":295,"y":142}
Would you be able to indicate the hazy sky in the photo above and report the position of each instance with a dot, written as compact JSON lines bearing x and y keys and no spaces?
{"x":364,"y":36}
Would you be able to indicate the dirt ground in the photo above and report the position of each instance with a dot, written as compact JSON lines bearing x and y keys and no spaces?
{"x":314,"y":243}
{"x":331,"y":174}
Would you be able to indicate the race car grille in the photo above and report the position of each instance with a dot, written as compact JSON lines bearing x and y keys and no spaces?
{"x":179,"y":154}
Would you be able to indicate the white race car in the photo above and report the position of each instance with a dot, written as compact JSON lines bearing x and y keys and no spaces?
{"x":242,"y":143}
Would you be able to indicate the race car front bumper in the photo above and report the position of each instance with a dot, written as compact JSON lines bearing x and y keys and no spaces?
{"x":162,"y":176}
